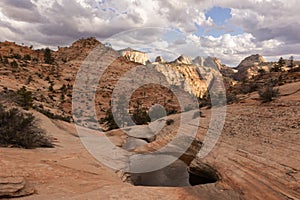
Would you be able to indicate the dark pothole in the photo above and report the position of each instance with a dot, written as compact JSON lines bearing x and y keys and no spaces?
{"x":177,"y":174}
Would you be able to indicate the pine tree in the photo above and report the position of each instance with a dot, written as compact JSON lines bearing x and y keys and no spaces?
{"x":48,"y":57}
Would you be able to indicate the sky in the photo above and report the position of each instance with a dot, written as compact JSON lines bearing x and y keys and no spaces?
{"x":228,"y":29}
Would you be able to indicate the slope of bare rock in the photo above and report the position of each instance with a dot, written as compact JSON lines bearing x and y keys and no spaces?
{"x":68,"y":171}
{"x":258,"y":152}
{"x":14,"y":187}
{"x":134,"y":56}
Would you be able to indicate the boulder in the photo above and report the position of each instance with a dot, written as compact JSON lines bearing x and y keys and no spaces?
{"x":14,"y":187}
{"x":159,"y":59}
{"x":184,"y":60}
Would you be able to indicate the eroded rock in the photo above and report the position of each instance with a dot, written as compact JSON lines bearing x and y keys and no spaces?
{"x":14,"y":187}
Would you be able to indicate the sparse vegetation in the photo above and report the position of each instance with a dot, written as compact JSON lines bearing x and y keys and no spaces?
{"x":231,"y":98}
{"x":17,"y":56}
{"x":109,"y":119}
{"x":140,"y":116}
{"x":51,"y":88}
{"x":278,"y":66}
{"x":170,"y":122}
{"x":14,"y":64}
{"x":24,"y":98}
{"x":29,"y":79}
{"x":248,"y":87}
{"x":268,"y":94}
{"x":27,"y":57}
{"x":48,"y":57}
{"x":18,"y":129}
{"x":261,"y":72}
{"x":53,"y":116}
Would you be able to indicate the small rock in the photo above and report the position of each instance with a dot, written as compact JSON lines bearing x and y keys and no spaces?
{"x":14,"y":187}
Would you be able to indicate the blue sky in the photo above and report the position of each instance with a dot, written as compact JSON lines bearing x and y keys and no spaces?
{"x":220,"y":17}
{"x":229,"y":30}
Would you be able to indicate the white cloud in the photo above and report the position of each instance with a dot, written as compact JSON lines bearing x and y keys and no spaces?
{"x":270,"y":27}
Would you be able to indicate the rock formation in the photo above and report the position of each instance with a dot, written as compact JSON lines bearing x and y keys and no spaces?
{"x":183,"y":59}
{"x":249,"y":67}
{"x":134,"y":55}
{"x":11,"y":187}
{"x":159,"y":59}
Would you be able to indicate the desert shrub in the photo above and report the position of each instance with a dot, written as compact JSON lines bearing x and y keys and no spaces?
{"x":29,"y":80}
{"x":110,"y":121}
{"x":5,"y":60}
{"x":140,"y":116}
{"x":17,"y":56}
{"x":19,"y":129}
{"x":53,"y":116}
{"x":14,"y":64}
{"x":48,"y":57}
{"x":261,"y":72}
{"x":170,"y":122}
{"x":27,"y":57}
{"x":51,"y":88}
{"x":205,"y":100}
{"x":248,"y":87}
{"x":24,"y":98}
{"x":231,"y":98}
{"x":171,"y":111}
{"x":268,"y":94}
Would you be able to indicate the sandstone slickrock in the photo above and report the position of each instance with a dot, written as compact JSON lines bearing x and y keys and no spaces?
{"x":249,"y":67}
{"x":174,"y":175}
{"x":134,"y":55}
{"x":14,"y":187}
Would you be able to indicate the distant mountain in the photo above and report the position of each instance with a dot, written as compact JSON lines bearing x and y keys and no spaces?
{"x":51,"y":80}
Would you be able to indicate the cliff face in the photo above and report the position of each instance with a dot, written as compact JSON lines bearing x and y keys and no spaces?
{"x":78,"y":51}
{"x":135,"y":56}
{"x":250,"y":66}
{"x":191,"y":78}
{"x":183,"y":60}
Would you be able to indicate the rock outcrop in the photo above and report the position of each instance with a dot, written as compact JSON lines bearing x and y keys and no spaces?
{"x":189,"y":77}
{"x":134,"y":55}
{"x":79,"y":50}
{"x":249,"y":67}
{"x":11,"y":187}
{"x":183,"y":59}
{"x":159,"y":59}
{"x":215,"y":63}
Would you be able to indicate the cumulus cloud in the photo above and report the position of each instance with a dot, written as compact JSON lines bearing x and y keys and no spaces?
{"x":268,"y":27}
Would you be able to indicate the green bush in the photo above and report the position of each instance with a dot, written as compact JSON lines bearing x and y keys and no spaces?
{"x":48,"y":57}
{"x":109,"y":118}
{"x":140,"y":116}
{"x":268,"y":94}
{"x":53,"y":116}
{"x":27,"y":57}
{"x":19,"y":129}
{"x":14,"y":64}
{"x":24,"y":98}
{"x":170,"y":122}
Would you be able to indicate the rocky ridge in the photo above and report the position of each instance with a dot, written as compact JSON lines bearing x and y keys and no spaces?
{"x":135,"y":56}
